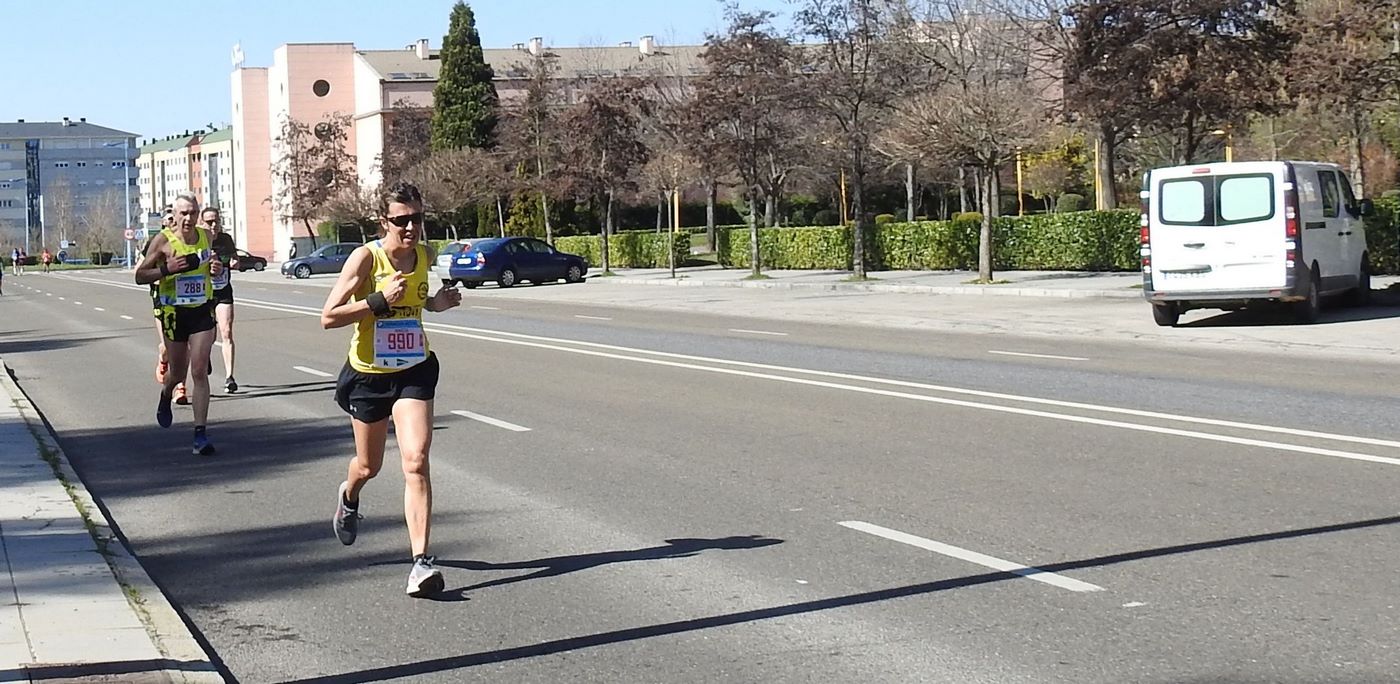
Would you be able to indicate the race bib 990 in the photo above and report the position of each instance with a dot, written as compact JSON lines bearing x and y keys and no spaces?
{"x":399,"y":343}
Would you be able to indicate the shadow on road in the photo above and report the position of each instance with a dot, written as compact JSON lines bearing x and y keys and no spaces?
{"x":10,"y":346}
{"x":1281,"y":315}
{"x":561,"y":565}
{"x":863,"y":598}
{"x":100,"y":671}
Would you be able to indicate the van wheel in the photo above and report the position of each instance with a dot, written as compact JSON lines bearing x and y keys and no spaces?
{"x":1308,"y":310}
{"x":1166,"y":315}
{"x":1361,"y":296}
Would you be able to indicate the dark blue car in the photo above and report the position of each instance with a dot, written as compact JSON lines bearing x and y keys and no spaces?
{"x":508,"y":261}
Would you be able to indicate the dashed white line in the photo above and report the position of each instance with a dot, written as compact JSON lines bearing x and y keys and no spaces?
{"x":487,"y":308}
{"x":49,"y":294}
{"x":127,"y":317}
{"x":63,"y":299}
{"x":1037,"y":356}
{"x":981,"y":559}
{"x":98,"y":308}
{"x":593,"y":318}
{"x":491,"y":421}
{"x":77,"y":303}
{"x":313,"y":371}
{"x":758,"y":332}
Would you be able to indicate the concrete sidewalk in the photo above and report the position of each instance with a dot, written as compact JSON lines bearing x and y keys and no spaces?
{"x":1070,"y":284}
{"x":75,"y":606}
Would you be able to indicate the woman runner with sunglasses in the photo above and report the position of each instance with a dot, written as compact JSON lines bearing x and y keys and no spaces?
{"x":390,"y":371}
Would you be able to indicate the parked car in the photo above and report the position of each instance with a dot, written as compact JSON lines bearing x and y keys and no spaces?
{"x":328,"y":259}
{"x":508,"y":261}
{"x":1223,"y":236}
{"x":248,"y":261}
{"x":449,"y":251}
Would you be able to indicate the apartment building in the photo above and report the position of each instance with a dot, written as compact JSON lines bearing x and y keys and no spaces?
{"x":198,"y":163}
{"x":36,"y":157}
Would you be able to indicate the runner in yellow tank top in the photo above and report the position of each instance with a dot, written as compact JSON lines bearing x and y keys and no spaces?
{"x":382,"y":291}
{"x":177,"y":262}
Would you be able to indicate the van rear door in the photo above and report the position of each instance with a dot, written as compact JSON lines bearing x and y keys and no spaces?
{"x":1218,"y":228}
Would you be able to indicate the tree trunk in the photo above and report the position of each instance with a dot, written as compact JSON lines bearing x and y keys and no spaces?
{"x":660,"y":212}
{"x":858,"y":233}
{"x":962,"y":190}
{"x":770,"y":211}
{"x":501,"y":215}
{"x":984,"y":241}
{"x":711,"y":190}
{"x":1358,"y":165}
{"x":978,"y":197}
{"x":1107,"y":196}
{"x":909,"y":190}
{"x":548,"y":229}
{"x":607,"y":231}
{"x":753,"y":234}
{"x":1273,"y":139}
{"x":309,"y":231}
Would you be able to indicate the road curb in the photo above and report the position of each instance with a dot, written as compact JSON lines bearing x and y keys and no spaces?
{"x":986,"y":290}
{"x":168,"y":631}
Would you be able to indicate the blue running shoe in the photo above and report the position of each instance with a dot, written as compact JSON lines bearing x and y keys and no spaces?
{"x":202,"y":446}
{"x":164,"y":416}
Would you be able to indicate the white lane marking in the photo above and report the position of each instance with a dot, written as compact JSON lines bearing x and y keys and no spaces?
{"x":77,"y":303}
{"x":127,"y":317}
{"x":263,"y":289}
{"x":50,"y":294}
{"x":491,"y":421}
{"x":297,"y":292}
{"x":311,"y":371}
{"x":1134,"y":604}
{"x":1037,"y":356}
{"x":63,"y":298}
{"x":529,"y":341}
{"x":758,"y":332}
{"x":981,"y":559}
{"x":98,"y":308}
{"x":593,"y":318}
{"x":487,"y":308}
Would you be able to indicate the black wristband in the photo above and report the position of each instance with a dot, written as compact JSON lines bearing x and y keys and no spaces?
{"x":378,"y":304}
{"x":164,"y":271}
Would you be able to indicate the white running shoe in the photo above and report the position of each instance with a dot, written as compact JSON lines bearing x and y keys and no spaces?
{"x":424,"y":580}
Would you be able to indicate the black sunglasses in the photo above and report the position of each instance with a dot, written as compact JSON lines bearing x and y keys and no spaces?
{"x":403,"y":220}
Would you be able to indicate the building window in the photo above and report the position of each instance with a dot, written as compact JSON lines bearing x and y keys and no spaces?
{"x":60,"y":165}
{"x":321,"y":88}
{"x":4,"y":146}
{"x":82,"y":164}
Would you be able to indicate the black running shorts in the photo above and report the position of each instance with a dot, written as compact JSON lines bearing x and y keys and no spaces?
{"x":179,"y":323}
{"x":224,"y":295}
{"x":370,"y":397}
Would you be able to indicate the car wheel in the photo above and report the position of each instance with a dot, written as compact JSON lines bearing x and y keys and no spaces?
{"x":470,"y":285}
{"x":507,"y":278}
{"x":302,"y":271}
{"x":573,"y":275}
{"x":1308,"y":310}
{"x":1166,"y":315}
{"x":1361,"y":296}
{"x":259,"y":267}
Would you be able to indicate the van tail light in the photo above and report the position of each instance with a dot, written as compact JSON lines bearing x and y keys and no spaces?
{"x":1145,"y":236}
{"x":1290,"y":223}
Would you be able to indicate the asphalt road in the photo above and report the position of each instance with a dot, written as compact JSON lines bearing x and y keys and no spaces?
{"x":652,"y":495}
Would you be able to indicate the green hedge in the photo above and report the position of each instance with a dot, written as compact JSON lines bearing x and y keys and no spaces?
{"x":1383,"y":236}
{"x":628,"y":250}
{"x":1081,"y":241}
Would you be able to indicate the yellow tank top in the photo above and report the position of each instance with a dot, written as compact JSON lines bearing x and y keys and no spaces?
{"x":396,"y":342}
{"x":192,"y":288}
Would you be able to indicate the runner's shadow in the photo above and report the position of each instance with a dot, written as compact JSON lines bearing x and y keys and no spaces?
{"x":561,"y":565}
{"x":285,"y":390}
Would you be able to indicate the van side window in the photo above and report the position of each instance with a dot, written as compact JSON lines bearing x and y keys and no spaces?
{"x":1348,"y":197}
{"x":1331,"y":195}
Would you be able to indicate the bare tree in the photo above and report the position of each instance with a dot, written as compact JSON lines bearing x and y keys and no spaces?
{"x":407,"y":139}
{"x":603,"y":147}
{"x":102,"y":225}
{"x":857,"y":67}
{"x":453,"y":179}
{"x":531,"y":131}
{"x":60,"y":209}
{"x":313,"y":166}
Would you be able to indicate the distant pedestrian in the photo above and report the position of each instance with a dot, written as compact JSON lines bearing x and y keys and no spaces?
{"x":17,"y":260}
{"x":47,"y":258}
{"x":292,"y":251}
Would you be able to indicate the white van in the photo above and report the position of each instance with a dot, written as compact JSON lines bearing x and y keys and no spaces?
{"x":1221,"y":236}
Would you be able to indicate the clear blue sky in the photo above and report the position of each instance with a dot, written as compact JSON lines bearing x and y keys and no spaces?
{"x":157,"y":67}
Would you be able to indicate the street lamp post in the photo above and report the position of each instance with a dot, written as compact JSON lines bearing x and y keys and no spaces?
{"x":126,"y":185}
